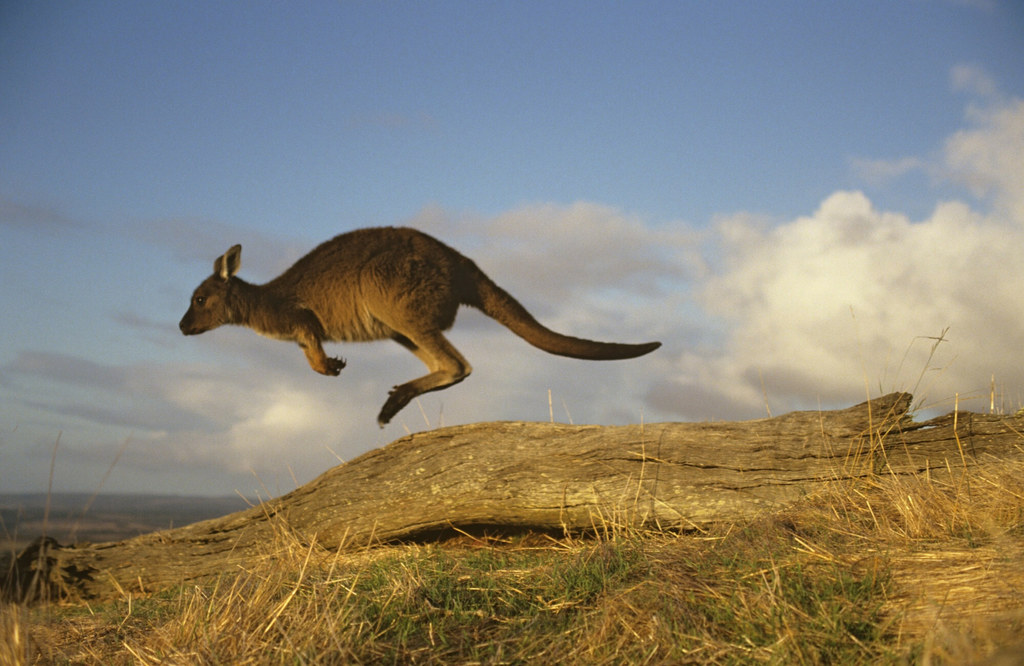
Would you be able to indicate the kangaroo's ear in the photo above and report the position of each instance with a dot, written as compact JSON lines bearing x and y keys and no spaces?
{"x":227,"y":265}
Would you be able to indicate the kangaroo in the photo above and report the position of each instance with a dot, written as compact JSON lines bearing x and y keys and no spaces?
{"x":375,"y":284}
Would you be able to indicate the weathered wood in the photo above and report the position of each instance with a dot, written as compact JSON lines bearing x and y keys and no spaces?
{"x":544,"y":476}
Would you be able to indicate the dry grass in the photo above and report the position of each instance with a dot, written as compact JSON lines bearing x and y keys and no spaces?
{"x":882,"y":570}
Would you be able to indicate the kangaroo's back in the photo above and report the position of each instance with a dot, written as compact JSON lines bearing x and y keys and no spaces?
{"x":363,"y":281}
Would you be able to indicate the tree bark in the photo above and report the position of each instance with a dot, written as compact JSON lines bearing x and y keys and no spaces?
{"x":539,"y":476}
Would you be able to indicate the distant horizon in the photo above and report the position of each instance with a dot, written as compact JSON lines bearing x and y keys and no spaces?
{"x":80,"y":517}
{"x":85,"y":494}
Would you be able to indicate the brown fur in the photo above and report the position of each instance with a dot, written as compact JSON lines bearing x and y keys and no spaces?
{"x":373,"y":284}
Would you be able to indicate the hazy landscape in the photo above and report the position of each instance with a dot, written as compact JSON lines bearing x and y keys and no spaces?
{"x":77,"y":517}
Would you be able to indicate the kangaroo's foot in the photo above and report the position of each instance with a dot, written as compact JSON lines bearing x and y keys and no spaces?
{"x":399,"y":397}
{"x":445,"y":362}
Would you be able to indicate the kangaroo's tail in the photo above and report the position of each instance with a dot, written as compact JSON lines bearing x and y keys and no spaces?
{"x":498,"y":304}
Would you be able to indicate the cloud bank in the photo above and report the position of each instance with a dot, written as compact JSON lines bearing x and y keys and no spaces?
{"x":819,"y":309}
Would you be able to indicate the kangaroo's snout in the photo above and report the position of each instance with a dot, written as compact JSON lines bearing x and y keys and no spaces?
{"x":189,"y":324}
{"x":195,"y":322}
{"x":186,"y":326}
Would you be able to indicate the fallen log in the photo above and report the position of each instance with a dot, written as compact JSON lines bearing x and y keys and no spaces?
{"x":537,"y":476}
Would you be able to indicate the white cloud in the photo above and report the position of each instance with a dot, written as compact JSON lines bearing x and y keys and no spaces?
{"x":819,"y":306}
{"x":989,"y":157}
{"x":558,"y":250}
{"x":881,"y":171}
{"x":851,"y":298}
{"x":284,"y":422}
{"x":973,"y":80}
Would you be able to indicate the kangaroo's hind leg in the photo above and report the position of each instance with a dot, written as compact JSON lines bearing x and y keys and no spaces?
{"x":447,"y":366}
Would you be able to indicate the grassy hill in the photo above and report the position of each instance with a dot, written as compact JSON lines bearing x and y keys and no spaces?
{"x":881,"y":569}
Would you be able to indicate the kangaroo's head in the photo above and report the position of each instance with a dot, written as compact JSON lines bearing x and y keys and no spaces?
{"x":210,"y":305}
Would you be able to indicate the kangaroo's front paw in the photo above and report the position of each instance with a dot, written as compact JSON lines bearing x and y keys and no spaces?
{"x":333,"y":366}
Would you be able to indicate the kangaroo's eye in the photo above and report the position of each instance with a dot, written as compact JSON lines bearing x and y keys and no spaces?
{"x":200,"y":300}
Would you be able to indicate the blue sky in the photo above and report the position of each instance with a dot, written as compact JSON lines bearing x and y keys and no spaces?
{"x":793,"y":196}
